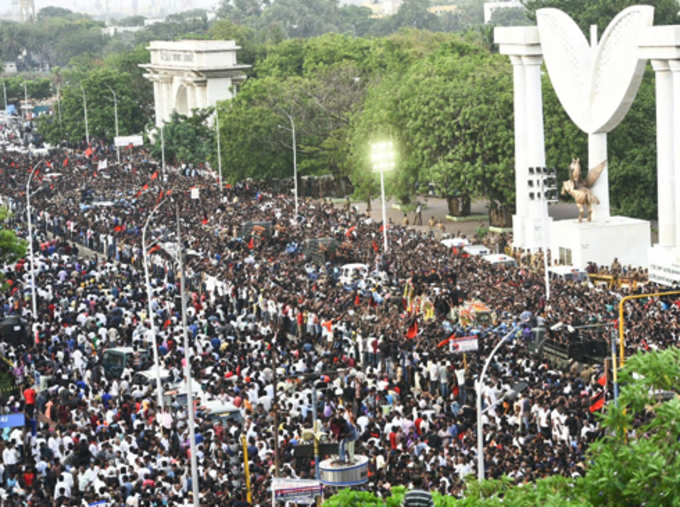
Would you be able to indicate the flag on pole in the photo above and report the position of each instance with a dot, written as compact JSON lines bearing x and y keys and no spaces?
{"x":251,"y":243}
{"x":412,"y":331}
{"x":154,"y":175}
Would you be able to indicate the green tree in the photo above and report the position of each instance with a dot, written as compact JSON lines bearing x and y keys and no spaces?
{"x":601,"y":12}
{"x":635,"y":462}
{"x":516,"y":16}
{"x":454,"y":114}
{"x":131,"y":21}
{"x":188,"y":139}
{"x":11,"y":247}
{"x":131,"y":118}
{"x":54,"y":12}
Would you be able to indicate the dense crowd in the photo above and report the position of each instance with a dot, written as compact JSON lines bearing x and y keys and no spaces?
{"x":264,"y":324}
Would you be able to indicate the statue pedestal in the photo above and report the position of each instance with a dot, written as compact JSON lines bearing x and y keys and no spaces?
{"x":354,"y":474}
{"x":624,"y":238}
{"x":664,"y":265}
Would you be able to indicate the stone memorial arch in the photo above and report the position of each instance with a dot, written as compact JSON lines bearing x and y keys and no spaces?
{"x":192,"y":74}
{"x":596,"y":83}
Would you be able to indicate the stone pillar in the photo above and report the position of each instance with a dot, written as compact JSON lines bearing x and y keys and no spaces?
{"x":536,"y":231}
{"x":597,"y":152}
{"x":664,"y":152}
{"x":164,"y":99}
{"x":191,"y":96}
{"x":521,"y":192}
{"x":201,"y":94}
{"x":158,"y":101}
{"x":674,"y":66}
{"x":530,"y":223}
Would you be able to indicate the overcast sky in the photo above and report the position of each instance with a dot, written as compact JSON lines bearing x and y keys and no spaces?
{"x":92,"y":7}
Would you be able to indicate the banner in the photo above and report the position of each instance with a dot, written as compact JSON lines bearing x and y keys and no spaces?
{"x":194,"y":192}
{"x":128,"y":140}
{"x":103,"y":164}
{"x":465,"y":344}
{"x":12,"y":420}
{"x":297,"y":490}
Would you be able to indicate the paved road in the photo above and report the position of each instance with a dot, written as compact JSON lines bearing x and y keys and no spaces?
{"x":437,"y":207}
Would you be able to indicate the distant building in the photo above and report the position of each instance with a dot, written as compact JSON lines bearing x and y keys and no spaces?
{"x":490,"y":7}
{"x":113,"y":30}
{"x":191,"y":74}
{"x":442,"y":9}
{"x":383,"y":8}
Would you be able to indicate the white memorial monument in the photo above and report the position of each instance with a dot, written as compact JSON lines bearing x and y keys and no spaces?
{"x":596,"y":84}
{"x":190,"y":74}
{"x":661,"y":45}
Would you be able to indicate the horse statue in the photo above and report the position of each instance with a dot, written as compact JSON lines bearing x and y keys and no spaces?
{"x":580,"y":189}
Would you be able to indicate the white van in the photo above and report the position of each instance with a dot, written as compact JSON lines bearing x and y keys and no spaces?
{"x":455,"y":242}
{"x":147,"y":377}
{"x":568,"y":273}
{"x":476,"y":250}
{"x":500,"y":260}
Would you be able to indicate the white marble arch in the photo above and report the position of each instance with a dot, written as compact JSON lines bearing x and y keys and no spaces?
{"x":191,"y":74}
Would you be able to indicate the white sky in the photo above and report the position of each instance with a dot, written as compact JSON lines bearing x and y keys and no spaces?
{"x":92,"y":6}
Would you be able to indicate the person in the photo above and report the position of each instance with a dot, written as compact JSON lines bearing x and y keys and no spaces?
{"x":345,"y":433}
{"x":419,"y":215}
{"x":416,"y":496}
{"x":29,"y":400}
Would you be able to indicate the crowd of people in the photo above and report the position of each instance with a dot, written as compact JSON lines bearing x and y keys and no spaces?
{"x":264,"y":324}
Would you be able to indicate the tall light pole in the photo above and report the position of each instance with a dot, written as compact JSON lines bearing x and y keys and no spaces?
{"x":115,"y":114}
{"x":149,"y":296}
{"x":187,"y":366}
{"x":4,"y":90}
{"x":219,"y":149}
{"x":163,"y":151}
{"x":87,"y":128}
{"x":25,"y":101}
{"x":295,"y":182}
{"x":58,"y":104}
{"x":480,"y":383}
{"x":382,"y":156}
{"x":34,"y":303}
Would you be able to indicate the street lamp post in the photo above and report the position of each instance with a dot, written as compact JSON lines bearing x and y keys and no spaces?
{"x":480,"y":383}
{"x":4,"y":90}
{"x":295,"y":182}
{"x":87,"y":127}
{"x":34,"y":303}
{"x":115,"y":114}
{"x":187,"y":365}
{"x":58,"y":104}
{"x":382,"y":156}
{"x":25,"y":101}
{"x":163,"y":151}
{"x":219,"y":149}
{"x":543,"y":189}
{"x":149,"y":295}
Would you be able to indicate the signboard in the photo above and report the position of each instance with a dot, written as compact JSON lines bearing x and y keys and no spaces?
{"x":296,"y":490}
{"x":465,"y":344}
{"x":664,"y":274}
{"x":12,"y":420}
{"x":103,"y":164}
{"x":194,"y":192}
{"x":128,"y":140}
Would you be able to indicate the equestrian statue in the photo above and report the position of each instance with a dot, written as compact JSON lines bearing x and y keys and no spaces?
{"x":580,"y":189}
